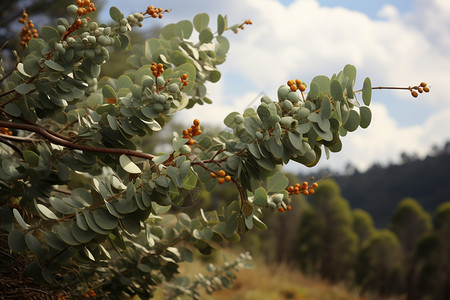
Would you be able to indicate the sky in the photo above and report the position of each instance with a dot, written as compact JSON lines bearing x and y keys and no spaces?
{"x":395,"y":43}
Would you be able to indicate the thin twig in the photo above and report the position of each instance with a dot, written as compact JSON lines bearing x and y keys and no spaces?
{"x":19,"y":138}
{"x":12,"y":146}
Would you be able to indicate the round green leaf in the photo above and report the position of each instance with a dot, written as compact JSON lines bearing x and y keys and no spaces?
{"x":260,"y":197}
{"x":214,"y":76}
{"x":367,"y":91}
{"x":201,"y":21}
{"x":64,"y":231}
{"x":82,"y":236}
{"x":206,"y":233}
{"x":115,"y":13}
{"x":16,"y":240}
{"x":48,"y":33}
{"x":353,"y":121}
{"x":13,"y":109}
{"x":258,"y":223}
{"x":220,"y":24}
{"x":34,"y":245}
{"x":336,"y":90}
{"x":31,"y":158}
{"x":92,"y":223}
{"x":31,"y":65}
{"x":205,"y":36}
{"x":222,"y":47}
{"x":323,"y":82}
{"x":104,"y":219}
{"x":277,"y":182}
{"x":108,"y":92}
{"x":325,"y":109}
{"x":19,"y":219}
{"x":184,"y":29}
{"x":45,"y":211}
{"x":54,"y":65}
{"x":366,"y":116}
{"x":128,"y":165}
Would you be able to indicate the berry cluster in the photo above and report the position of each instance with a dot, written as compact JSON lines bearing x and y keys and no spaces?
{"x":28,"y":31}
{"x":296,"y":85}
{"x":90,"y":294}
{"x":221,"y":176}
{"x":157,"y":69}
{"x":155,"y":12}
{"x":281,"y":208}
{"x":303,"y":188}
{"x":192,"y":131}
{"x":422,"y":87}
{"x":246,"y":22}
{"x":183,"y":79}
{"x":85,"y":7}
{"x":5,"y":131}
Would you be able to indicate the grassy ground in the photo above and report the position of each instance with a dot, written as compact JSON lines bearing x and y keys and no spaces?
{"x":276,"y":282}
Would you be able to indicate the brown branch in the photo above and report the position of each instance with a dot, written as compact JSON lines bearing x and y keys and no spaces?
{"x":53,"y":138}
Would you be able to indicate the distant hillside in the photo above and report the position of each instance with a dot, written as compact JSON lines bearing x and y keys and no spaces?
{"x":380,"y":188}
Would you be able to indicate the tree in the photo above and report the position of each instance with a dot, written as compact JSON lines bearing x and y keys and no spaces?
{"x":379,"y":267}
{"x":326,"y":233}
{"x":362,"y":226}
{"x":116,"y":233}
{"x":409,"y":222}
{"x":433,"y":254}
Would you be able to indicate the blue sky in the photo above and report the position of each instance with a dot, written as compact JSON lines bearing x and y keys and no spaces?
{"x":396,"y":42}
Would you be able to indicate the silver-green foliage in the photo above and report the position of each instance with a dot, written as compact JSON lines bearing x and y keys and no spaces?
{"x":117,"y":232}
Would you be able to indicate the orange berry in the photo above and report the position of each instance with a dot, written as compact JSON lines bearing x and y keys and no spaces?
{"x":314,"y":185}
{"x":298,"y":82}
{"x":297,"y":192}
{"x":290,"y":189}
{"x":221,"y":173}
{"x":111,"y":100}
{"x":312,"y":191}
{"x":212,"y":175}
{"x":423,"y":84}
{"x":228,"y":178}
{"x":21,"y":21}
{"x":304,"y":184}
{"x":281,"y":209}
{"x":293,"y":87}
{"x":160,"y":66}
{"x":420,"y":90}
{"x":198,"y":132}
{"x":92,"y":293}
{"x":80,"y":11}
{"x":414,"y":94}
{"x":426,"y":89}
{"x":196,"y":122}
{"x":302,"y":88}
{"x":185,"y":132}
{"x":190,"y":142}
{"x":184,"y":76}
{"x":288,"y":207}
{"x":86,"y":296}
{"x":297,"y":185}
{"x":220,"y":180}
{"x":290,"y":82}
{"x":305,"y":192}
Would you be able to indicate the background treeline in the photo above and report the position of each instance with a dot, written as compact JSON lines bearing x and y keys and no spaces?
{"x":379,"y":189}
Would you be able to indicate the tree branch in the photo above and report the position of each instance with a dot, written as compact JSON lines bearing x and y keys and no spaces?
{"x":62,"y":142}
